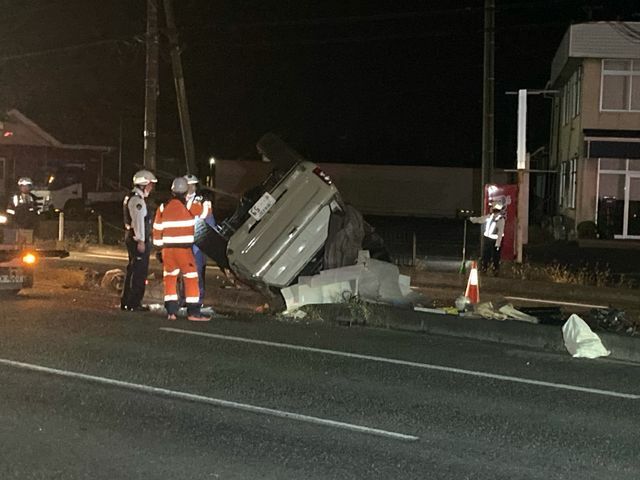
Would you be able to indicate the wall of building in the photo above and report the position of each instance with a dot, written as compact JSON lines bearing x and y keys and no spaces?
{"x":373,"y":189}
{"x":586,"y":190}
{"x":568,"y":141}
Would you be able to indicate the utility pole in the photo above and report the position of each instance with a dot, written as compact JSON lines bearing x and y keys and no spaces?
{"x":151,"y":84}
{"x":488,"y":153}
{"x":181,"y":94}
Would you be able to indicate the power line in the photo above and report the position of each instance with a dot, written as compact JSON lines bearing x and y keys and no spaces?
{"x":68,"y":48}
{"x":351,"y":19}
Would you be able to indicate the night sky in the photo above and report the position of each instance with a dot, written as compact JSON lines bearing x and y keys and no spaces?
{"x":360,"y":82}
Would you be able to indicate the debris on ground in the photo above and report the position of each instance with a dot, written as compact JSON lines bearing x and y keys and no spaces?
{"x":580,"y":340}
{"x":113,"y":280}
{"x":369,"y":280}
{"x":502,"y":311}
{"x":612,"y":320}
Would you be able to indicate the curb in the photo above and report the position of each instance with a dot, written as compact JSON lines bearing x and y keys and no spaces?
{"x":511,"y":332}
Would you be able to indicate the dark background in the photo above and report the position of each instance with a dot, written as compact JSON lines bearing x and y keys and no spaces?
{"x":359,"y":82}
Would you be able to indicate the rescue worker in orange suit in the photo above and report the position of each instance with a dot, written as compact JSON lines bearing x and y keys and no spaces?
{"x":200,"y":206}
{"x":492,"y":237}
{"x":137,"y":224}
{"x":173,"y":232}
{"x":23,"y":206}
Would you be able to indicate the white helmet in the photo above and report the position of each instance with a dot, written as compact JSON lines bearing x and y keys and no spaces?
{"x":191,"y":179}
{"x":25,"y":181}
{"x":179,"y":185}
{"x":144,"y":177}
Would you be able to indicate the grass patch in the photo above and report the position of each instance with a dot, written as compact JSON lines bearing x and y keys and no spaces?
{"x":598,"y":276}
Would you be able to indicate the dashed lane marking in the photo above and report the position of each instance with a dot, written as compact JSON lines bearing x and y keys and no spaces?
{"x":173,"y":394}
{"x":393,"y":361}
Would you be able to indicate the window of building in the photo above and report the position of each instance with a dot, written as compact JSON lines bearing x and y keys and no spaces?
{"x":565,"y":104}
{"x":613,"y":164}
{"x":570,"y":102}
{"x":618,"y":207}
{"x":620,"y":85}
{"x":577,"y":91}
{"x":568,"y":181}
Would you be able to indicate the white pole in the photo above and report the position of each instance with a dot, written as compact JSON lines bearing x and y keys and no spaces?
{"x":522,"y":128}
{"x":61,"y":227}
{"x":522,"y":219}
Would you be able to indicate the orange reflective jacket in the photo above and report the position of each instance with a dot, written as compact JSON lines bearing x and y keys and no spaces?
{"x":174,"y":225}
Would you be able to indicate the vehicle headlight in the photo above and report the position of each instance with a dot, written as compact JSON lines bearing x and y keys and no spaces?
{"x":3,"y":219}
{"x":29,"y":258}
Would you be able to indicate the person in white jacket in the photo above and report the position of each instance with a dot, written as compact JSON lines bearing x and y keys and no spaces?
{"x":493,"y":235}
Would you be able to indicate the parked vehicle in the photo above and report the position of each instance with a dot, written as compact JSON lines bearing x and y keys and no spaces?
{"x":18,"y":259}
{"x":66,"y":189}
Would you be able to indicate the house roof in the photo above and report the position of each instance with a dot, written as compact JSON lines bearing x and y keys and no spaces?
{"x":18,"y":129}
{"x":596,"y":40}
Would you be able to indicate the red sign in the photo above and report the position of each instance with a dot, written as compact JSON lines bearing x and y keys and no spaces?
{"x":508,"y":196}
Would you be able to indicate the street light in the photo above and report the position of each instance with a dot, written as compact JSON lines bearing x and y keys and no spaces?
{"x":212,"y":165}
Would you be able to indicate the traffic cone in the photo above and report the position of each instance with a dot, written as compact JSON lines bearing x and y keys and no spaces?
{"x":473,"y":290}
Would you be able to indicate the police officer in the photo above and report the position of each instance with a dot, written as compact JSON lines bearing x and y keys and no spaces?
{"x":492,"y":237}
{"x":201,"y":207}
{"x":23,"y":206}
{"x":137,"y":224}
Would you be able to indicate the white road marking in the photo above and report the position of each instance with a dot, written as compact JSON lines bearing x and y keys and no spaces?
{"x":209,"y":400}
{"x":427,"y":366}
{"x":554,"y":302}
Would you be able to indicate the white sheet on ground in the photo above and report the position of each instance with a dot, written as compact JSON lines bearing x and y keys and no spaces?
{"x":580,"y":339}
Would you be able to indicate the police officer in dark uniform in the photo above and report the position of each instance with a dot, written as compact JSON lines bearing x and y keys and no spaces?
{"x":23,"y":206}
{"x":137,"y":224}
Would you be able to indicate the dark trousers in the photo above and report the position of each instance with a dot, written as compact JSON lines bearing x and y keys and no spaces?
{"x":137,"y":271}
{"x":201,"y":264}
{"x":490,"y":255}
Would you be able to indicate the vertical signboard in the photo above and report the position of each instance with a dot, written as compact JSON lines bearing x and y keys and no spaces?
{"x":508,"y":196}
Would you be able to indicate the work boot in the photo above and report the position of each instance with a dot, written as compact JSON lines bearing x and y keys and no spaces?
{"x":172,"y":316}
{"x":198,"y":317}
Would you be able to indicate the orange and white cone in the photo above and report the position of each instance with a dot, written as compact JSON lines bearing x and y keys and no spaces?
{"x":473,"y":290}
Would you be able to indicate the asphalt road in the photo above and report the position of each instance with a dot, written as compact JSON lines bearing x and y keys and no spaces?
{"x":130,"y":396}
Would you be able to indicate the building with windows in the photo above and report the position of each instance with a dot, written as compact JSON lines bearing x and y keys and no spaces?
{"x":595,"y":128}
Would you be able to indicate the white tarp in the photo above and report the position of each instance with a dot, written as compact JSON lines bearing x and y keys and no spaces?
{"x":580,"y":340}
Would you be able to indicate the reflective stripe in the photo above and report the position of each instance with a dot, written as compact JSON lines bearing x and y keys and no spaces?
{"x":161,"y":207}
{"x":192,"y":300}
{"x":11,"y":211}
{"x":158,"y":226}
{"x":177,"y":224}
{"x":158,"y":242}
{"x":178,"y":240}
{"x":171,"y":273}
{"x":191,"y":275}
{"x":169,"y":298}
